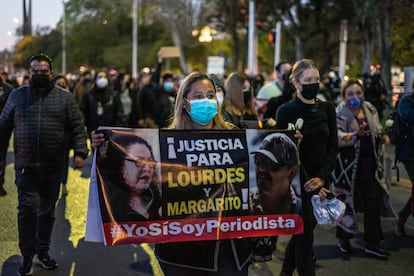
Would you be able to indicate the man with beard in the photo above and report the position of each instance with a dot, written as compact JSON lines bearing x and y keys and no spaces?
{"x":43,"y":118}
{"x":277,"y":164}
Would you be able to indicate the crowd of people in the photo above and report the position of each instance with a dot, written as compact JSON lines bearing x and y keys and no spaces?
{"x":340,"y":150}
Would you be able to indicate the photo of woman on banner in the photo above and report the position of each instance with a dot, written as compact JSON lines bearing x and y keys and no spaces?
{"x":276,"y":165}
{"x":127,"y":174}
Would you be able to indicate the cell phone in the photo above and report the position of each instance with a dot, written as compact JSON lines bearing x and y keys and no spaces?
{"x":330,"y":196}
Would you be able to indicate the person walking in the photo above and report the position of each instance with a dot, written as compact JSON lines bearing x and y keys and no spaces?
{"x":359,"y":176}
{"x":405,"y":154}
{"x":197,"y":107}
{"x":317,"y":150}
{"x":41,"y":116}
{"x":272,"y":89}
{"x":98,"y":104}
{"x":5,"y":90}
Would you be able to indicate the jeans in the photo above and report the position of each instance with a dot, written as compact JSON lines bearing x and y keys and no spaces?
{"x":38,"y":191}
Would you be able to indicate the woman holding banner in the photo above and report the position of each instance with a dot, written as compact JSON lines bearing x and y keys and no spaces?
{"x":196,"y":107}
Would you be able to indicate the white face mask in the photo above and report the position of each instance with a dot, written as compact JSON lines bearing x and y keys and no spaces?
{"x":220,"y":98}
{"x":102,"y":82}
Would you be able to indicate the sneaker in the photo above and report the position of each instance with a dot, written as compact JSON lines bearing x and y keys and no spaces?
{"x":399,"y":228}
{"x":25,"y":267}
{"x":344,"y":246}
{"x":376,"y":250}
{"x":2,"y":191}
{"x":46,"y":262}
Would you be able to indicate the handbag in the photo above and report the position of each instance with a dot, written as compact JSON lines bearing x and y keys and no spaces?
{"x":328,"y":211}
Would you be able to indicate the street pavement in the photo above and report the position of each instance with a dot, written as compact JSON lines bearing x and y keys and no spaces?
{"x":78,"y":257}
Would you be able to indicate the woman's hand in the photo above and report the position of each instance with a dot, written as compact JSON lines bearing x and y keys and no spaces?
{"x":97,"y":139}
{"x":313,"y":184}
{"x":323,"y":193}
{"x":298,"y":135}
{"x":362,"y":131}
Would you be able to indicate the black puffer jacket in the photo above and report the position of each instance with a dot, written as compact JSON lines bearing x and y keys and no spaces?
{"x":43,"y":123}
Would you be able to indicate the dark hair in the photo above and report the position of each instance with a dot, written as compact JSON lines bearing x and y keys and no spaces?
{"x":87,"y":72}
{"x":350,"y":82}
{"x":167,"y":76}
{"x":41,"y":57}
{"x":217,"y":82}
{"x":116,"y":152}
{"x":277,"y":67}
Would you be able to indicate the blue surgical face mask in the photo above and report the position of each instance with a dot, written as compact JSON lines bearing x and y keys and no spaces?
{"x":355,"y":102}
{"x":202,"y":111}
{"x":168,"y":86}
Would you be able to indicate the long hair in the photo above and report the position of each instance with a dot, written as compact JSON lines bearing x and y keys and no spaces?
{"x":110,"y":171}
{"x":181,"y":118}
{"x":234,"y":99}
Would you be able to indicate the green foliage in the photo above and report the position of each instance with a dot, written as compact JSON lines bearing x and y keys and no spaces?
{"x":99,"y":33}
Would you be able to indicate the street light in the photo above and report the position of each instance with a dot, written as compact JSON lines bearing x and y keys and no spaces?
{"x":205,"y":34}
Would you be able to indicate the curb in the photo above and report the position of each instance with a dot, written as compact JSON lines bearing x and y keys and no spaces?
{"x":405,"y":183}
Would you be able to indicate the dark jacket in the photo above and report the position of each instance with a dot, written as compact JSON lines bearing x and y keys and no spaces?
{"x":41,"y":123}
{"x":405,"y":143}
{"x":5,"y":90}
{"x":98,"y":108}
{"x":154,"y":103}
{"x":319,"y":146}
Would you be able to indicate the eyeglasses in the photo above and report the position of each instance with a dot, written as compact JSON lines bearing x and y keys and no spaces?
{"x":141,"y":163}
{"x":266,"y":163}
{"x":39,"y":70}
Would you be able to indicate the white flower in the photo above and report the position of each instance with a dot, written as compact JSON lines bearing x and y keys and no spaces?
{"x":297,"y":126}
{"x":271,"y":122}
{"x":291,"y":126}
{"x":389,"y":123}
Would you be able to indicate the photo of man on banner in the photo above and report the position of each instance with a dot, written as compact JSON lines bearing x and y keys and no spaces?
{"x":276,"y":164}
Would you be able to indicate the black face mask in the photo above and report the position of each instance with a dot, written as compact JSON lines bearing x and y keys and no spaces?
{"x":247,"y":96}
{"x":309,"y":91}
{"x":86,"y":81}
{"x":40,"y":81}
{"x":285,"y":77}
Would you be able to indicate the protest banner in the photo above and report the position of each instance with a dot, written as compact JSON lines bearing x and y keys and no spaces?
{"x":156,"y":185}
